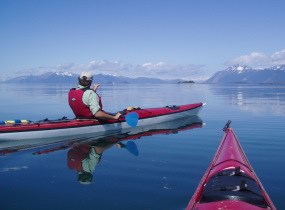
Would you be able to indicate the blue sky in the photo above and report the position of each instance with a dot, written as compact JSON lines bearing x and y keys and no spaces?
{"x":158,"y":38}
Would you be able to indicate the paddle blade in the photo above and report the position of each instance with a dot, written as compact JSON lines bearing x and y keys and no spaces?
{"x":132,"y":148}
{"x":132,"y":119}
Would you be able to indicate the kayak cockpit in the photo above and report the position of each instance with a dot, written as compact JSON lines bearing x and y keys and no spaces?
{"x":233,"y":184}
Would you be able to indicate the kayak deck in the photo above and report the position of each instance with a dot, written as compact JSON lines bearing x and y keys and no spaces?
{"x":230,"y":181}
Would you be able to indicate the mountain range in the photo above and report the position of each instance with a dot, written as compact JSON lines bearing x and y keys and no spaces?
{"x":247,"y":75}
{"x":67,"y":77}
{"x":236,"y":74}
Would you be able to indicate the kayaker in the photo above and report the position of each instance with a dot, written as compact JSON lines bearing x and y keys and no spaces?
{"x":85,"y":102}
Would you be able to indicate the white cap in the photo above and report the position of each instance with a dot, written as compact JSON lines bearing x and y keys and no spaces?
{"x":87,"y":74}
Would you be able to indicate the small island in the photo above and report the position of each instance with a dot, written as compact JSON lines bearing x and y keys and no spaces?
{"x":183,"y":82}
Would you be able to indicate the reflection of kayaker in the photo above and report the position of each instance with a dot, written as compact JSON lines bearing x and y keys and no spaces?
{"x":84,"y":158}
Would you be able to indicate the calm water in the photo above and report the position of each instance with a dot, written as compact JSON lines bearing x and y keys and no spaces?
{"x":168,"y":168}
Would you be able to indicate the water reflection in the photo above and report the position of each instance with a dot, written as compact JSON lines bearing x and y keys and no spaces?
{"x":83,"y":158}
{"x":250,"y":98}
{"x":83,"y":155}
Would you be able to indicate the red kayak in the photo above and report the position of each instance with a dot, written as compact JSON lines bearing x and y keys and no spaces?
{"x":168,"y":127}
{"x":230,"y":181}
{"x":66,"y":128}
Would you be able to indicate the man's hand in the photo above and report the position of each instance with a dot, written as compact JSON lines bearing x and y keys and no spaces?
{"x":117,"y":116}
{"x":95,"y":87}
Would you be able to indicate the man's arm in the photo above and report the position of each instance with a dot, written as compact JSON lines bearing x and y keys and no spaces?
{"x":103,"y":115}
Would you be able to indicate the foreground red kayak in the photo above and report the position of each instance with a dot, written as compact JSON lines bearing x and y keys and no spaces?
{"x":230,"y":181}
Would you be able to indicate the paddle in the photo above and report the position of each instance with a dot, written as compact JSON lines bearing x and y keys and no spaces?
{"x":132,"y":119}
{"x":131,"y":147}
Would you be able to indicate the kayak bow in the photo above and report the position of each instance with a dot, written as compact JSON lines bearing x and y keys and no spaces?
{"x":230,"y":181}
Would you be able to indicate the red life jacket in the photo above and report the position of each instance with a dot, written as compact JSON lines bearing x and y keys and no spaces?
{"x":76,"y":103}
{"x":76,"y":155}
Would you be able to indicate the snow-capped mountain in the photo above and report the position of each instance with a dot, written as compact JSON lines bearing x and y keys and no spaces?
{"x":49,"y":77}
{"x":248,"y":75}
{"x":238,"y":68}
{"x":67,"y":77}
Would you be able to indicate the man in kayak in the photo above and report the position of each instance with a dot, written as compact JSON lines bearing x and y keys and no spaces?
{"x":85,"y":102}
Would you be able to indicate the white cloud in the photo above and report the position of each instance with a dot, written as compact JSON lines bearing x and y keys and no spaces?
{"x":253,"y":59}
{"x":146,"y":65}
{"x":156,"y":70}
{"x":259,"y":59}
{"x":278,"y":57}
{"x":171,"y":71}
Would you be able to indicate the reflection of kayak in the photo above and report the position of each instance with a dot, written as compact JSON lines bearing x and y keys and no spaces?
{"x":230,"y":181}
{"x":91,"y":127}
{"x":170,"y":127}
